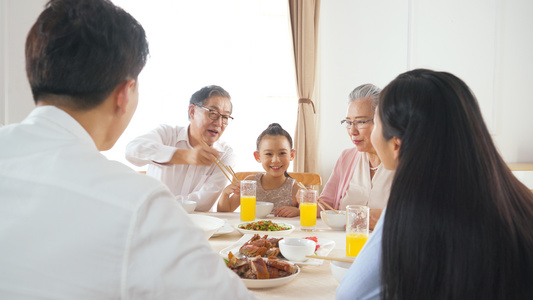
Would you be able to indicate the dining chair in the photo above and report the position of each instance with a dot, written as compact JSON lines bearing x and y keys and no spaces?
{"x":309,"y":179}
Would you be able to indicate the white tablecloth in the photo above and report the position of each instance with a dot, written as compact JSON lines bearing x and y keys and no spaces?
{"x":314,"y":282}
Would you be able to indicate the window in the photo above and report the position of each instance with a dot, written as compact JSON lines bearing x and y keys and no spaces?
{"x":242,"y":45}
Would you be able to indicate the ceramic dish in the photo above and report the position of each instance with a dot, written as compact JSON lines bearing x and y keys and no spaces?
{"x":263,"y":209}
{"x":269,"y":283}
{"x":325,"y":248}
{"x":333,"y":220}
{"x":339,"y":269}
{"x":227,"y":228}
{"x":209,"y":224}
{"x":187,"y":205}
{"x":295,"y":249}
{"x":262,"y":232}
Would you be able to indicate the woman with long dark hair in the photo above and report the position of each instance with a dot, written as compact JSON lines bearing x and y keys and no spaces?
{"x":458,"y":224}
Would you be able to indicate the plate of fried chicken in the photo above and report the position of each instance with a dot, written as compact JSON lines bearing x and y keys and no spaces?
{"x":262,"y":272}
{"x":253,"y":245}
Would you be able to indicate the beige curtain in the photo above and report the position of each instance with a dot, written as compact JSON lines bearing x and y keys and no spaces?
{"x":304,"y":24}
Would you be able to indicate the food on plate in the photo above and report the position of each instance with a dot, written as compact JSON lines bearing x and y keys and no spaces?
{"x":265,"y":225}
{"x":261,"y":246}
{"x":260,"y":268}
{"x":314,"y":239}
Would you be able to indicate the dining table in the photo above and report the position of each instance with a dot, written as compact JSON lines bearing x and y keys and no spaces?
{"x":314,"y":281}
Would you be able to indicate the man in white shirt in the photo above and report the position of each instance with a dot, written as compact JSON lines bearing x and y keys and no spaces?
{"x":74,"y":225}
{"x":179,"y":157}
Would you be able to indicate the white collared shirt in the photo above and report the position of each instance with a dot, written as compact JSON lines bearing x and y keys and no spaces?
{"x":75,"y":225}
{"x":202,"y":184}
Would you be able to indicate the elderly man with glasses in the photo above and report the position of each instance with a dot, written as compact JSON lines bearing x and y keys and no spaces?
{"x":183,"y":157}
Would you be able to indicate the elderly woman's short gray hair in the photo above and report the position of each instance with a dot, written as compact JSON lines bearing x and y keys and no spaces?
{"x":366,"y":91}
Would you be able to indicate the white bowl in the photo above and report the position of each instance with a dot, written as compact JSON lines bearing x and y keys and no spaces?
{"x":210,"y":225}
{"x":333,"y":220}
{"x":339,"y":269}
{"x":187,"y":205}
{"x":296,"y":249}
{"x":262,"y":209}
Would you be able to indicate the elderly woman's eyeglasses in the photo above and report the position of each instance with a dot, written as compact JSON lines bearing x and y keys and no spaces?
{"x":214,"y":115}
{"x":358,"y":124}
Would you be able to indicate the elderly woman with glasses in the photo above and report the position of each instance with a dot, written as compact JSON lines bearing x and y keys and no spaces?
{"x":183,"y":157}
{"x":358,"y":176}
{"x":459,"y":223}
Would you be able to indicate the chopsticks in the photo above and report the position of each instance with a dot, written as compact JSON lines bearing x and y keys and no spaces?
{"x":301,"y":185}
{"x":349,"y":260}
{"x":225,"y":169}
{"x":329,"y":206}
{"x":321,"y":207}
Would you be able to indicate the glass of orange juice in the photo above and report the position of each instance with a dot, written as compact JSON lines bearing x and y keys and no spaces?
{"x":357,"y":222}
{"x":308,"y":209}
{"x":248,"y":200}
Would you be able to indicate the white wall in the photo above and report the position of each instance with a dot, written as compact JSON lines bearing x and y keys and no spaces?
{"x":3,"y":71}
{"x":489,"y":44}
{"x":361,"y":42}
{"x":513,"y":115}
{"x":16,"y":19}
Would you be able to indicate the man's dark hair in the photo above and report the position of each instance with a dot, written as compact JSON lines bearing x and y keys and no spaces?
{"x":81,"y":50}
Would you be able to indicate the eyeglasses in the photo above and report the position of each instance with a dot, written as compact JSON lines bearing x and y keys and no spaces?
{"x":359,"y":124}
{"x":214,"y":115}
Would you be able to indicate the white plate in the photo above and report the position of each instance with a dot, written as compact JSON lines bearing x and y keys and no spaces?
{"x":262,"y":232}
{"x":209,"y":224}
{"x":227,"y":228}
{"x":325,"y":248}
{"x":269,"y":283}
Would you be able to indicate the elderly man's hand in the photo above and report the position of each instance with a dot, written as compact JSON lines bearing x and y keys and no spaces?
{"x":199,"y":155}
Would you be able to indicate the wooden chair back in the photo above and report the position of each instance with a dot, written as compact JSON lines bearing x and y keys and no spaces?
{"x":309,"y":179}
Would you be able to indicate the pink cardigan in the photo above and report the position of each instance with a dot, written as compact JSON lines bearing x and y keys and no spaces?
{"x":340,"y":178}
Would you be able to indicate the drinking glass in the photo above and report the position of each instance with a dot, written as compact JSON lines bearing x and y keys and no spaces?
{"x":308,"y":209}
{"x":357,"y":222}
{"x":248,"y":200}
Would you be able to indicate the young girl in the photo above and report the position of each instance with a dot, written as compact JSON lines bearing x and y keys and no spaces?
{"x":275,"y":153}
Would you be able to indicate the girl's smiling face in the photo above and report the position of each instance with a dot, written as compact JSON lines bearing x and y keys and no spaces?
{"x":275,"y":154}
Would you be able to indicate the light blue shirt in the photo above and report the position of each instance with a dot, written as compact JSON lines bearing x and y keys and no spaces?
{"x":363,"y":280}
